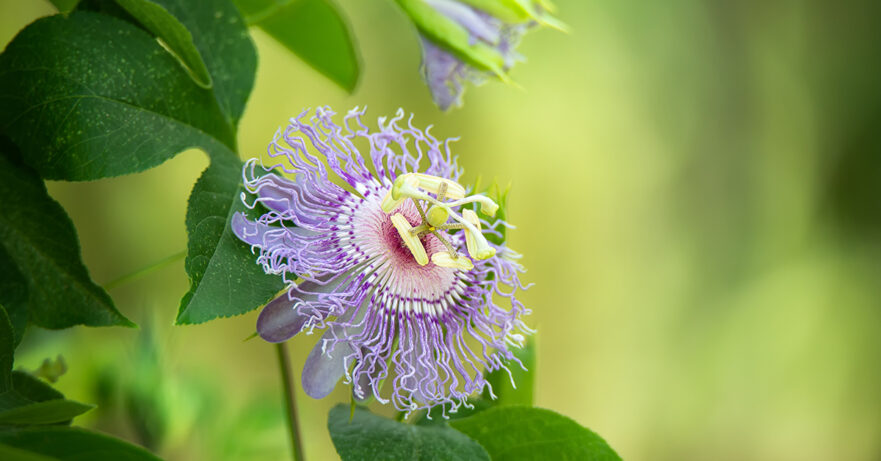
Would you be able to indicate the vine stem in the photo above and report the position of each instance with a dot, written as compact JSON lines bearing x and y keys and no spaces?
{"x":287,"y":379}
{"x":144,"y":270}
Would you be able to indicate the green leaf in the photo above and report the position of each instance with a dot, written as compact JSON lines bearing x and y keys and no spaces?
{"x":8,"y":453}
{"x":524,"y":433}
{"x":88,"y":96}
{"x":369,"y":436}
{"x":37,"y":234}
{"x":47,"y":412}
{"x":314,"y":30}
{"x":221,"y":37}
{"x":67,"y":443}
{"x":506,"y":394}
{"x":13,"y":294}
{"x":161,"y":23}
{"x":6,"y":351}
{"x":225,"y":279}
{"x":33,"y":389}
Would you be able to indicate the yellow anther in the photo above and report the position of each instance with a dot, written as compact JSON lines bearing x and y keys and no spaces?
{"x":437,"y":216}
{"x":411,"y":241}
{"x":476,"y":243}
{"x":429,"y":183}
{"x":403,"y":185}
{"x":443,"y":259}
{"x":488,"y":206}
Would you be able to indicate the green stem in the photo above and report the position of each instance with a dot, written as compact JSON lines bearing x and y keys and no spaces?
{"x":144,"y":270}
{"x":287,"y":378}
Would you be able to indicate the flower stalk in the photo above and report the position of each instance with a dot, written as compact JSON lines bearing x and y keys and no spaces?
{"x":287,"y":379}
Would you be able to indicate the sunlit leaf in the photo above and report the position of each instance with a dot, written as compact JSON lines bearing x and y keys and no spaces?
{"x":314,"y":30}
{"x":88,"y":96}
{"x":37,"y":234}
{"x":525,"y":433}
{"x":225,"y":278}
{"x":369,"y":436}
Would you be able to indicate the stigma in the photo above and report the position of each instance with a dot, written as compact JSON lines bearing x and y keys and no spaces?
{"x":437,"y":201}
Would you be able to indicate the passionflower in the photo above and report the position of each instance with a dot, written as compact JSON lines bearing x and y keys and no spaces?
{"x":468,"y":41}
{"x":390,"y":259}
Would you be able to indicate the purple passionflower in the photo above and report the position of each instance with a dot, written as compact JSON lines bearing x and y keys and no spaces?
{"x":393,"y":263}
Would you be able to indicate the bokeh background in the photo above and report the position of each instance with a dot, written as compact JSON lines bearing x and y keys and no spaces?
{"x":697,"y":189}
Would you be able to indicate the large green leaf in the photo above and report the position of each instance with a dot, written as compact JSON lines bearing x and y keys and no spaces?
{"x":220,"y":35}
{"x":161,"y":23}
{"x":526,"y":433}
{"x":225,"y":278}
{"x":46,"y":412}
{"x":314,"y":30}
{"x":66,"y":443}
{"x":37,"y":234}
{"x":88,"y":96}
{"x":369,"y":436}
{"x":524,"y":380}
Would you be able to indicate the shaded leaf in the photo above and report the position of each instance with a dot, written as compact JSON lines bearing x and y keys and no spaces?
{"x":525,"y":433}
{"x":6,"y":351}
{"x":87,"y":96}
{"x":314,"y":30}
{"x":33,"y":389}
{"x":369,"y":436}
{"x":13,"y":294}
{"x":161,"y":23}
{"x":46,"y":412}
{"x":41,"y":239}
{"x":8,"y":453}
{"x":67,"y":443}
{"x":524,"y":380}
{"x":225,"y":279}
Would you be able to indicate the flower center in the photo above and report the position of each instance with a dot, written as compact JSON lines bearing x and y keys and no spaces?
{"x":435,"y":218}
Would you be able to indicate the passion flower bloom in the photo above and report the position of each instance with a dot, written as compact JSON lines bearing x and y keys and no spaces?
{"x":391,"y":260}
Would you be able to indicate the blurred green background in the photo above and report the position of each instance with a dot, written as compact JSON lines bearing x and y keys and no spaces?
{"x":697,"y":189}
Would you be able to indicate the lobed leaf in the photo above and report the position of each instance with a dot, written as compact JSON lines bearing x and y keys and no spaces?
{"x":369,"y":436}
{"x":220,"y":35}
{"x":88,"y":96}
{"x":41,"y":240}
{"x":175,"y":35}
